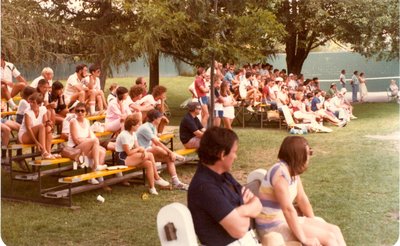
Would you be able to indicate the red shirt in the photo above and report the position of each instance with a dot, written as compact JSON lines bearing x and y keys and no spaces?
{"x":197,"y":84}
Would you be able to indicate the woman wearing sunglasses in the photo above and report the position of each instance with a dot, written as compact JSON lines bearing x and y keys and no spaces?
{"x":280,"y":187}
{"x":81,"y":137}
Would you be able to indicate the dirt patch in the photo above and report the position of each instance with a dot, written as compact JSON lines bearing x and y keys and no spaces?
{"x":393,"y":136}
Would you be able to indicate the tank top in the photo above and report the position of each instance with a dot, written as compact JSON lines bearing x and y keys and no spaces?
{"x":82,"y":131}
{"x":34,"y":120}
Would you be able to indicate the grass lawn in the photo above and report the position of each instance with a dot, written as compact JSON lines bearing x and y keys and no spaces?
{"x":353,"y":181}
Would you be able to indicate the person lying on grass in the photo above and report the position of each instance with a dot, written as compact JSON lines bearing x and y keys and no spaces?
{"x":280,"y":187}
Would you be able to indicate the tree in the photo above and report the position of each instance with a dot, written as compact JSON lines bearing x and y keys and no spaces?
{"x":311,"y":23}
{"x":31,"y":37}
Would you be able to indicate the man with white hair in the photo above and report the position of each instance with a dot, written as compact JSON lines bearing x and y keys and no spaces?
{"x":47,"y":74}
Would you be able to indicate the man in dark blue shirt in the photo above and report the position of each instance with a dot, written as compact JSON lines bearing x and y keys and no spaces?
{"x":221,"y":208}
{"x":191,"y":130}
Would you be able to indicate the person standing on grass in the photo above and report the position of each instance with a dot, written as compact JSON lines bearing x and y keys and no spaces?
{"x":147,"y":138}
{"x":190,"y":129}
{"x":201,"y":91}
{"x":280,"y":187}
{"x":129,"y":153}
{"x":363,"y":87}
{"x":342,"y":78}
{"x":355,"y":82}
{"x":221,"y":208}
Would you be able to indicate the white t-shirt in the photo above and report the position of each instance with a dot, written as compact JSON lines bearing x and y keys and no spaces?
{"x":8,"y":72}
{"x":34,"y":120}
{"x":243,"y":88}
{"x":149,"y":100}
{"x":342,"y":77}
{"x":125,"y":137}
{"x":35,"y":82}
{"x":69,"y":91}
{"x":86,"y":80}
{"x":23,"y":106}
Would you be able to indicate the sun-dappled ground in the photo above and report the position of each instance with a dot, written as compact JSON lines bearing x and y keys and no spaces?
{"x":353,"y":181}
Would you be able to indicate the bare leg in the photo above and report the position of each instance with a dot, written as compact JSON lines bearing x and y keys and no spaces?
{"x":17,"y":88}
{"x":327,"y":234}
{"x":5,"y":134}
{"x":204,"y":115}
{"x":137,"y":160}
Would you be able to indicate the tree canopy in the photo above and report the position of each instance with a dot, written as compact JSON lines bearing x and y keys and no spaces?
{"x":113,"y":33}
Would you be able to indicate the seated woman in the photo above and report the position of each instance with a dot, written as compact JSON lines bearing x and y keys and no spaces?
{"x":280,"y":187}
{"x":117,"y":111}
{"x":36,"y":127}
{"x":24,"y":104}
{"x":299,"y":109}
{"x":129,"y":152}
{"x":81,"y":137}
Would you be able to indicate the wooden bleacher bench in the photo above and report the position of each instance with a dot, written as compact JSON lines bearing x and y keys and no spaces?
{"x":70,"y":181}
{"x":7,"y":113}
{"x":185,"y":152}
{"x":168,"y":138}
{"x":103,"y":134}
{"x":16,"y":98}
{"x":91,"y":175}
{"x":96,"y":117}
{"x":24,"y":146}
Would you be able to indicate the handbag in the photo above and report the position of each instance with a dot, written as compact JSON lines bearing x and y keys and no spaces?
{"x":71,"y":153}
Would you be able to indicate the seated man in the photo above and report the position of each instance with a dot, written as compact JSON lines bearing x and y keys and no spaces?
{"x":191,"y":130}
{"x":221,"y":208}
{"x":9,"y":89}
{"x":147,"y":138}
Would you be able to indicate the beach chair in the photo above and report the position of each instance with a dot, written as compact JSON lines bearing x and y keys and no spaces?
{"x":314,"y":127}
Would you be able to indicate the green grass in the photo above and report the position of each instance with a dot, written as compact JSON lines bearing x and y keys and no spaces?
{"x":353,"y":181}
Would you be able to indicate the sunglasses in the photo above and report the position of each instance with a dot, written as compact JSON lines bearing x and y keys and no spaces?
{"x":80,"y":111}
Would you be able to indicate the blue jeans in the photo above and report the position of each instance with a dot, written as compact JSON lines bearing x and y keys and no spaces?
{"x":354,"y":92}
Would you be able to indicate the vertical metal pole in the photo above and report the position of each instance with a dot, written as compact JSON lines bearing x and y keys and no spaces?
{"x":212,"y":95}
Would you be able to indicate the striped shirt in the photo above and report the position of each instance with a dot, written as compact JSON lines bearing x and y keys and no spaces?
{"x":271,"y":215}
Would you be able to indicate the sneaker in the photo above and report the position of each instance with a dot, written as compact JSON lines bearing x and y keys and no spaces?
{"x":181,"y":186}
{"x":342,"y":124}
{"x":100,"y":179}
{"x":101,"y":167}
{"x":180,"y":157}
{"x":249,"y":108}
{"x":352,"y":117}
{"x":119,"y":174}
{"x":126,"y":183}
{"x":256,"y":103}
{"x":153,"y":191}
{"x":161,"y":182}
{"x":93,"y":181}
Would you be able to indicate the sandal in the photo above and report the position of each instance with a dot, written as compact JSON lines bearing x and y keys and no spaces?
{"x":57,"y":156}
{"x":47,"y":156}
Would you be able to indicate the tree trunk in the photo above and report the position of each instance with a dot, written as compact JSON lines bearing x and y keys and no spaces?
{"x":104,"y":65}
{"x":154,"y":71}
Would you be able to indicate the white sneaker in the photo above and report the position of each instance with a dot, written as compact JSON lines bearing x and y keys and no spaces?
{"x":101,"y":167}
{"x":93,"y":181}
{"x":181,"y":186}
{"x":342,"y":124}
{"x":100,"y":179}
{"x":180,"y":157}
{"x":119,"y":174}
{"x":256,"y":103}
{"x":153,"y":191}
{"x":353,"y":117}
{"x":249,"y":108}
{"x":161,"y":182}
